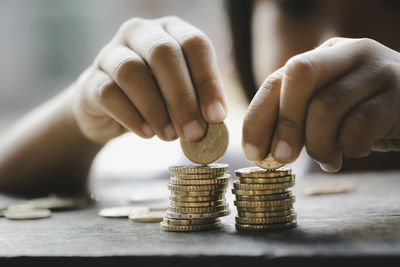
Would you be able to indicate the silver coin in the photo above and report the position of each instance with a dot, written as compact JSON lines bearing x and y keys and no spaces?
{"x":28,"y":214}
{"x":121,"y":212}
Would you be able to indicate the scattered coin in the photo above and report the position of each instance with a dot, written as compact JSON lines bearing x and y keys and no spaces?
{"x":210,"y":147}
{"x":54,"y":203}
{"x":325,"y":189}
{"x":27,"y":214}
{"x":147,"y":216}
{"x":121,"y":212}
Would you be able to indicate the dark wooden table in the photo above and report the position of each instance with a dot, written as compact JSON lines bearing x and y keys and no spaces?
{"x":361,"y":226}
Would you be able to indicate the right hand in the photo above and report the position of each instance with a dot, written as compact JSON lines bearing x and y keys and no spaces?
{"x":154,"y":77}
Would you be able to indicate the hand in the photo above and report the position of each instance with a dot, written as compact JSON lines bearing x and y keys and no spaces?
{"x":154,"y":77}
{"x":342,"y":98}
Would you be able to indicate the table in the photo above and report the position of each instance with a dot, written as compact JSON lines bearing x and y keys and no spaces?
{"x":358,"y":227}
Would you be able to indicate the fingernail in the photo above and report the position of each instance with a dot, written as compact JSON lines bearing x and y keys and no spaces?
{"x":283,"y":152}
{"x":169,"y":132}
{"x":326,"y":168}
{"x":216,"y":112}
{"x":251,"y":152}
{"x":192,"y":131}
{"x":147,"y":130}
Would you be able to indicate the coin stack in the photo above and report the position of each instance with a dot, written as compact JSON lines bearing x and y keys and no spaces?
{"x":263,"y":200}
{"x":197,"y":198}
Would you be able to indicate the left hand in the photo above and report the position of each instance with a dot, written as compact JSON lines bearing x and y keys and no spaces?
{"x":342,"y":98}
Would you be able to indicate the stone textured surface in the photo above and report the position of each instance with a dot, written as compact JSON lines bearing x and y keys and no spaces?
{"x":363,"y":224}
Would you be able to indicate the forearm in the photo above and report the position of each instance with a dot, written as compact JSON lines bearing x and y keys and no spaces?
{"x":45,"y":151}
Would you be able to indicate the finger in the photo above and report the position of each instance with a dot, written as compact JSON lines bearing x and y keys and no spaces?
{"x":375,"y":119}
{"x":304,"y":74}
{"x":133,"y":76}
{"x":329,"y":106}
{"x":259,"y":121}
{"x":165,"y":57}
{"x":105,"y":93}
{"x":201,"y":60}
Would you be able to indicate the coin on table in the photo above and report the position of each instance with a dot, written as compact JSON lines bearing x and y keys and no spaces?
{"x":28,"y":214}
{"x":54,"y":203}
{"x":269,"y":163}
{"x":190,"y":228}
{"x":199,"y":169}
{"x":325,"y":189}
{"x":265,"y":220}
{"x":121,"y":212}
{"x":210,"y":147}
{"x":257,"y":172}
{"x":147,"y":216}
{"x":265,"y":227}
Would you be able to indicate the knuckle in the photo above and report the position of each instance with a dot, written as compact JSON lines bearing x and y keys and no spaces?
{"x":299,"y":67}
{"x":389,"y":71}
{"x":163,"y":49}
{"x":196,"y":42}
{"x":272,"y":81}
{"x":125,"y":69}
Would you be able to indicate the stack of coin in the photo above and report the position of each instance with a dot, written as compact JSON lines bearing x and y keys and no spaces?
{"x":197,"y":198}
{"x":263,"y":200}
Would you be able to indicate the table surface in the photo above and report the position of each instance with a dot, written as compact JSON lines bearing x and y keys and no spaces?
{"x":361,"y":224}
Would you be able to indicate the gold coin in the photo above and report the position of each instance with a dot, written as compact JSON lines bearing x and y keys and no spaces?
{"x":285,"y":179}
{"x":210,"y":147}
{"x":285,"y":195}
{"x":259,"y":187}
{"x":175,"y":215}
{"x":198,"y":209}
{"x":269,"y":163}
{"x":266,"y":220}
{"x":196,"y":199}
{"x":189,"y":228}
{"x":170,"y":221}
{"x":191,"y":188}
{"x":27,"y":214}
{"x":198,"y":204}
{"x":266,"y":227}
{"x":221,"y":180}
{"x":255,"y":204}
{"x":198,"y":176}
{"x":259,"y":192}
{"x":199,"y":193}
{"x":121,"y":212}
{"x":199,"y":169}
{"x":324,"y":189}
{"x":265,"y":209}
{"x":266,"y":214}
{"x":147,"y":216}
{"x":257,"y":172}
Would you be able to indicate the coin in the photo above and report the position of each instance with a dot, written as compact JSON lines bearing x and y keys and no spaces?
{"x":199,"y":193}
{"x":266,"y":214}
{"x":170,"y":221}
{"x":266,"y":220}
{"x":196,"y":188}
{"x":198,"y":176}
{"x":196,"y":199}
{"x":259,"y":187}
{"x":284,"y":179}
{"x":256,"y":204}
{"x":210,"y":147}
{"x":176,"y":215}
{"x":198,"y":209}
{"x":189,"y":228}
{"x":266,"y":227}
{"x":265,"y":209}
{"x":257,"y":172}
{"x":258,"y":192}
{"x":265,"y":197}
{"x":147,"y":216}
{"x":28,"y":214}
{"x":121,"y":212}
{"x":269,"y":163}
{"x":199,"y":169}
{"x":325,"y":189}
{"x":198,"y":204}
{"x":54,"y":203}
{"x":220,"y":180}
